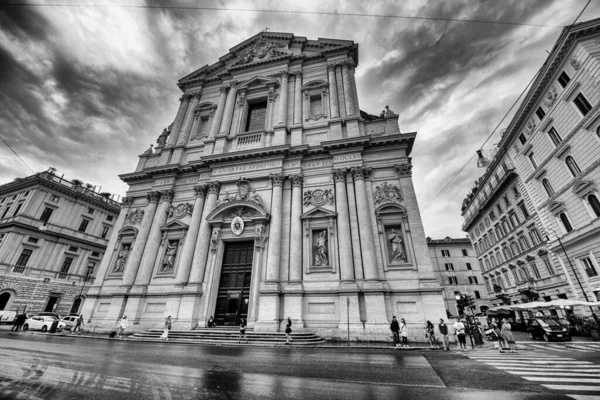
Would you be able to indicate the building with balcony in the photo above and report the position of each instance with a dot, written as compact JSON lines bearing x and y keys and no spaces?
{"x":456,"y":267}
{"x":554,"y":141}
{"x":272,"y":195}
{"x":53,"y":234}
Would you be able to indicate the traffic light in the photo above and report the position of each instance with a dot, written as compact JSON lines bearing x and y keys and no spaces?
{"x":469,"y":301}
{"x":460,"y":303}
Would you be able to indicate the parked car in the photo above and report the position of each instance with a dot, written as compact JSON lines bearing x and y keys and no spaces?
{"x":7,"y":317}
{"x":68,"y":322}
{"x":547,"y":329}
{"x":39,"y":322}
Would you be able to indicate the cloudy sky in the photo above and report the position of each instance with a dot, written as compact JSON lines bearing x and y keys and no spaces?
{"x":85,"y":89}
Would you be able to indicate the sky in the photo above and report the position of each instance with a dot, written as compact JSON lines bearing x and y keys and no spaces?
{"x":87,"y":88}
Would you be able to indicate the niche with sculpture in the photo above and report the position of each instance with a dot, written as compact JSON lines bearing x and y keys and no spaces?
{"x":169,"y":253}
{"x":394,"y":236}
{"x":122,"y":250}
{"x":320,"y":243}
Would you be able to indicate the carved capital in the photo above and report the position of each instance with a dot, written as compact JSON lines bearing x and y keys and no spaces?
{"x":272,"y":95}
{"x":127,"y":201}
{"x":359,"y":173}
{"x":276,"y":179}
{"x":403,"y":169}
{"x":213,"y":187}
{"x":186,"y":97}
{"x":241,"y":99}
{"x":339,"y":175}
{"x":284,"y":74}
{"x":200,"y":190}
{"x":297,"y":73}
{"x":223,"y":89}
{"x":331,"y":66}
{"x":167,"y":195}
{"x":153,"y":196}
{"x":297,"y":180}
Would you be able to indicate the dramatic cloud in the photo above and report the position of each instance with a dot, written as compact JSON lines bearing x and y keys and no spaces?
{"x":85,"y":89}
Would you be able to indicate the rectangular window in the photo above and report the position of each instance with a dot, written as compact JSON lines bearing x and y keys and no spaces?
{"x":90,"y":268}
{"x":549,"y":266}
{"x":18,"y":208}
{"x":582,"y":104}
{"x":203,"y":127}
{"x":316,"y":105}
{"x":84,"y":224}
{"x":73,"y":249}
{"x":445,"y":253}
{"x":477,"y":295}
{"x":540,"y":113}
{"x":449,"y":267}
{"x":535,"y":270}
{"x":54,"y":198}
{"x":46,"y":214}
{"x":469,"y":266}
{"x":109,"y":217}
{"x":104,"y":232}
{"x":257,"y":115}
{"x":516,"y":276}
{"x":492,"y":216}
{"x":473,"y":280}
{"x":524,"y":210}
{"x":95,"y":254}
{"x":532,"y":159}
{"x":24,"y":257}
{"x":564,"y":79}
{"x":522,"y":139}
{"x":90,"y":210}
{"x":33,"y":240}
{"x":66,"y":265}
{"x":453,"y":280}
{"x":554,"y":136}
{"x":588,"y":266}
{"x":465,"y":253}
{"x":499,"y":208}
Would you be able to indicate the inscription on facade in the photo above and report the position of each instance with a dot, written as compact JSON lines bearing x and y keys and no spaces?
{"x":165,"y":181}
{"x":347,"y":157}
{"x":319,"y":163}
{"x":246,"y":168}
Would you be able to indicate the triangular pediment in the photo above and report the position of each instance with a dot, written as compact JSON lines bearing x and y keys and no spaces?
{"x":319,"y":212}
{"x":174,"y":225}
{"x":247,"y":210}
{"x":258,"y":81}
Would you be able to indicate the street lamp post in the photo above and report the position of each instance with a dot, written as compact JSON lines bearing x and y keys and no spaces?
{"x":460,"y":300}
{"x":90,"y":269}
{"x":572,"y":268}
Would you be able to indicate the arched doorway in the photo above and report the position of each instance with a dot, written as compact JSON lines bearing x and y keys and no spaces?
{"x":75,"y":306}
{"x":4,"y":298}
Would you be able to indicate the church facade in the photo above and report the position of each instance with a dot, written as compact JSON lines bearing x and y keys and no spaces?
{"x":272,"y":195}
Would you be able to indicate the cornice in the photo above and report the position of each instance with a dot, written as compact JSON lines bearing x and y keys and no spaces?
{"x":57,"y":235}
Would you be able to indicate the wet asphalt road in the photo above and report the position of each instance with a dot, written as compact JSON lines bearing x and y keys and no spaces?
{"x":34,"y":366}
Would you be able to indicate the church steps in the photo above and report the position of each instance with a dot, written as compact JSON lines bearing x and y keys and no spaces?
{"x":224,"y":336}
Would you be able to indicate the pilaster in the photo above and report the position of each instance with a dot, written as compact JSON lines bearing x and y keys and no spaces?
{"x":204,"y":233}
{"x":184,"y":101}
{"x":344,"y":235}
{"x":187,"y":252}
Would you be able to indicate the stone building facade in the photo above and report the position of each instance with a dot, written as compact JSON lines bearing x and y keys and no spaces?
{"x":272,"y":195}
{"x":554,"y":140}
{"x":53,"y":234}
{"x":457,"y":269}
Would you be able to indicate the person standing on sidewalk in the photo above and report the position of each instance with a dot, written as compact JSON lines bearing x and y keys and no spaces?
{"x":288,"y":331}
{"x":498,"y":333}
{"x":404,"y":332}
{"x":78,"y":325}
{"x":16,"y":323}
{"x":444,"y":332}
{"x":430,"y":334}
{"x":395,"y":328}
{"x":122,"y":325}
{"x":167,"y":328}
{"x":506,"y":331}
{"x":242,"y":331}
{"x":459,"y":331}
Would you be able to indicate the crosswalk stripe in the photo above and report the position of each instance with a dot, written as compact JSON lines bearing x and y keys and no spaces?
{"x":574,"y":387}
{"x":584,"y":397}
{"x":590,"y":368}
{"x":595,"y":346}
{"x":509,"y":357}
{"x":538,"y":362}
{"x":554,"y":379}
{"x":574,"y":346}
{"x":522,"y":369}
{"x":538,"y":346}
{"x":546,"y":373}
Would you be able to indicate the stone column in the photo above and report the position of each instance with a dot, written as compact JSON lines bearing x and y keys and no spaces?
{"x":343,"y":225}
{"x":154,"y":238}
{"x":348,"y":92}
{"x":228,"y":113}
{"x":282,"y":117}
{"x":354,"y":228}
{"x":275,"y":229}
{"x":298,"y":99}
{"x":203,"y":241}
{"x":135,"y":255}
{"x":296,"y":230}
{"x":185,"y":100}
{"x":333,"y":100}
{"x":351,"y":68}
{"x":216,"y":123}
{"x":187,"y":251}
{"x":364,"y":220}
{"x":340,"y":90}
{"x":189,"y":120}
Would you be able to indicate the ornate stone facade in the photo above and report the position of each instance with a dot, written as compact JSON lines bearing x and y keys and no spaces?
{"x":283,"y":205}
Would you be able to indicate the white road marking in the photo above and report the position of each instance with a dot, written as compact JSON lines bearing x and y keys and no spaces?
{"x":574,"y":387}
{"x":583,"y":397}
{"x":554,"y":379}
{"x":546,"y":373}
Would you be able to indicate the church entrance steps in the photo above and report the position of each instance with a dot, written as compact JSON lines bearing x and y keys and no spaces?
{"x":227,"y":335}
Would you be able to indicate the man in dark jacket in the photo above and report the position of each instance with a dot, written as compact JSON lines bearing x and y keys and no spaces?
{"x":395,"y":328}
{"x":444,"y":333}
{"x":19,"y":321}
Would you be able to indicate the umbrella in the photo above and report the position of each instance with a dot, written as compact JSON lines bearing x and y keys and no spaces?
{"x":529,"y":306}
{"x":569,"y":303}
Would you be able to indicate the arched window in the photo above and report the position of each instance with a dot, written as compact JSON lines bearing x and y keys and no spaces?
{"x":572,"y":165}
{"x":548,"y":187}
{"x":75,"y":306}
{"x":565,"y":221}
{"x":598,"y":131}
{"x":594,"y":204}
{"x":4,"y":298}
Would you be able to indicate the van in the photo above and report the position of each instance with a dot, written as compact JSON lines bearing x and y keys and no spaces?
{"x":7,"y":317}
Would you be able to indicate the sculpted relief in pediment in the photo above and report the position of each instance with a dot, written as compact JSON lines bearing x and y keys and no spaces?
{"x":261,"y":50}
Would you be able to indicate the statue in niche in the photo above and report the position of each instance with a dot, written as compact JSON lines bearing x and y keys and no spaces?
{"x":121,"y":259}
{"x":321,"y":249}
{"x":169,"y":260}
{"x":397,"y":247}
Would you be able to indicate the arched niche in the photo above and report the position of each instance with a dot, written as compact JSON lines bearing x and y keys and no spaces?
{"x":320,"y":241}
{"x":173,"y":237}
{"x":315,"y":100}
{"x":395,"y":237}
{"x":125,"y":240}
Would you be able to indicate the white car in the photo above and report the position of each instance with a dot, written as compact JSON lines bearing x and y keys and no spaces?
{"x":39,"y":322}
{"x":68,"y":322}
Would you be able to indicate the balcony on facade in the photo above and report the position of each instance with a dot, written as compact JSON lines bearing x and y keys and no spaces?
{"x":45,"y":274}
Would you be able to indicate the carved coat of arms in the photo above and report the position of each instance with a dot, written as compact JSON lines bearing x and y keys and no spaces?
{"x":318,"y":197}
{"x":181,"y":210}
{"x":387,"y":194}
{"x":134,"y":217}
{"x":237,"y":226}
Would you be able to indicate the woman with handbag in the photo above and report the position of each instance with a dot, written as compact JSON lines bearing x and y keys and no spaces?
{"x":430,"y":334}
{"x":167,"y":328}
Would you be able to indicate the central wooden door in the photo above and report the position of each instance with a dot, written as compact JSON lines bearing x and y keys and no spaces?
{"x":234,"y":284}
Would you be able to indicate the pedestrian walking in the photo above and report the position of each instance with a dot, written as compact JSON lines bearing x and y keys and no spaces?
{"x":122,"y":325}
{"x":167,"y":328}
{"x":498,"y":334}
{"x":15,"y":326}
{"x":443,"y":328}
{"x":430,"y":334}
{"x":459,"y":331}
{"x":506,"y":331}
{"x":211,"y":322}
{"x":395,"y":328}
{"x":78,"y":325}
{"x":288,"y":331}
{"x":404,"y":332}
{"x":242,"y":331}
